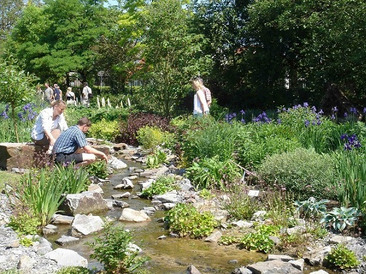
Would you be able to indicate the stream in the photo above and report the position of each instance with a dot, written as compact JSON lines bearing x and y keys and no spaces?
{"x":169,"y":255}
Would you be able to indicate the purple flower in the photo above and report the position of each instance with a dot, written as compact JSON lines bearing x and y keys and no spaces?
{"x":353,"y":110}
{"x":321,"y":112}
{"x":313,"y":108}
{"x":332,"y":117}
{"x":305,"y":104}
{"x":345,"y":114}
{"x":364,"y":110}
{"x":4,"y":114}
{"x":242,"y":120}
{"x":242,"y":112}
{"x":279,"y":121}
{"x":335,"y":109}
{"x":307,"y":123}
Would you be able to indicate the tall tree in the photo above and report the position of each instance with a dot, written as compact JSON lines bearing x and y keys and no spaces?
{"x":222,"y":23}
{"x":172,"y":53}
{"x":315,"y":44}
{"x":59,"y":37}
{"x":120,"y":48}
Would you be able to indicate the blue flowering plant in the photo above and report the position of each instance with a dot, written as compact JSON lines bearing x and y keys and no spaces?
{"x":24,"y":119}
{"x":16,"y":89}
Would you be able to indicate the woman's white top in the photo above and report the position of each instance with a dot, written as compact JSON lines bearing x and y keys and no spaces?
{"x":44,"y":121}
{"x":198,"y":107}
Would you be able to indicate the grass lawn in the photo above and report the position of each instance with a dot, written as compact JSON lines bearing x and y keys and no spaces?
{"x":7,"y":177}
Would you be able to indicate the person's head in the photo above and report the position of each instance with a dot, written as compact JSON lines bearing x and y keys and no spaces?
{"x":58,"y":107}
{"x":85,"y":84}
{"x":84,"y":124}
{"x":46,"y":85}
{"x":196,"y":84}
{"x":69,"y":89}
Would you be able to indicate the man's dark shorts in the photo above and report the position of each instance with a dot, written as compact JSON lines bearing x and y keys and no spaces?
{"x":68,"y":158}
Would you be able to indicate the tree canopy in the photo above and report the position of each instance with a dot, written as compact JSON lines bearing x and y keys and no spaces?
{"x":256,"y":54}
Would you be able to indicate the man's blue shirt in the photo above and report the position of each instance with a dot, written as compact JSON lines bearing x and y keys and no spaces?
{"x":70,"y":140}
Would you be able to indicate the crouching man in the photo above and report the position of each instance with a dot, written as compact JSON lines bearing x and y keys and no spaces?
{"x":69,"y":144}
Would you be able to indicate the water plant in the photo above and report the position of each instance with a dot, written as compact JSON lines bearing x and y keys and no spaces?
{"x":342,"y":257}
{"x":186,"y":220}
{"x":260,"y":239}
{"x":114,"y":251}
{"x":162,"y":185}
{"x":42,"y":190}
{"x":98,"y":169}
{"x":155,"y":159}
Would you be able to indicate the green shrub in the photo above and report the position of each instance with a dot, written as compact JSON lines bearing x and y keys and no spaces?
{"x":260,"y":240}
{"x":213,"y":173}
{"x":265,"y":140}
{"x":98,"y":169}
{"x":151,"y":137}
{"x":106,"y":130}
{"x":128,"y":130}
{"x":342,"y":257}
{"x":303,"y":172}
{"x":208,"y":138}
{"x":162,"y":185}
{"x":112,"y":249}
{"x":187,"y":221}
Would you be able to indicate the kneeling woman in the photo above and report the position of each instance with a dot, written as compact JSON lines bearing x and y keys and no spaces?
{"x":49,"y":124}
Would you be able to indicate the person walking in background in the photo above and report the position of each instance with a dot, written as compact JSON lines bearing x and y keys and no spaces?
{"x":86,"y":95}
{"x":48,"y":93}
{"x":70,"y":143}
{"x":200,"y":106}
{"x":70,"y":97}
{"x":57,"y":92}
{"x":49,"y":124}
{"x":206,"y":91}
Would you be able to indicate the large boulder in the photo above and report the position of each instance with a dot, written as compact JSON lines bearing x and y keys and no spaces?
{"x":67,"y":257}
{"x":84,"y":203}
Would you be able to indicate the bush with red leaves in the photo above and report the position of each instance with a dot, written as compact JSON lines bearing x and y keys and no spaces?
{"x":138,"y":120}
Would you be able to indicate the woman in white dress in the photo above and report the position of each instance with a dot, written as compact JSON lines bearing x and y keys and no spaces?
{"x":200,"y":106}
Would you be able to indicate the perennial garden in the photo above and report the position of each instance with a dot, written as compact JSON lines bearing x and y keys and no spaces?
{"x":308,"y":168}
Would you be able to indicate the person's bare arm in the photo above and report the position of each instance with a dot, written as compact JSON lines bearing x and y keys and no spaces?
{"x":89,"y":149}
{"x":201,"y":97}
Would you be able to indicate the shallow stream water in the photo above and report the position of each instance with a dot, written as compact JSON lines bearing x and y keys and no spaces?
{"x":169,"y":255}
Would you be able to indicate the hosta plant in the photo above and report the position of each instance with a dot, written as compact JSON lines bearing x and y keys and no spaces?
{"x":311,"y":208}
{"x":340,"y":218}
